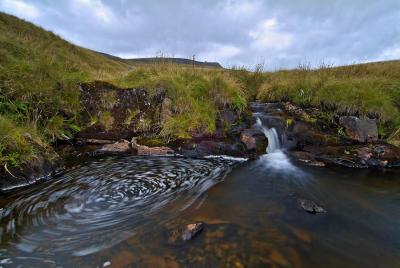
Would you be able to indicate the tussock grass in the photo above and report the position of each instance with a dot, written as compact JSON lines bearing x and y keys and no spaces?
{"x":39,"y":98}
{"x":371,"y":90}
{"x":39,"y":73}
{"x":197,"y":95}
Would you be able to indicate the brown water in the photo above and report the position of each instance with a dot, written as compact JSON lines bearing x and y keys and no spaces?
{"x":116,"y":212}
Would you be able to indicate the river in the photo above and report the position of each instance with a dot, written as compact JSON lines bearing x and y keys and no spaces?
{"x":116,"y":212}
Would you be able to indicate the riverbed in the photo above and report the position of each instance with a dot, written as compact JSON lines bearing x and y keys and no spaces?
{"x":117,"y":211}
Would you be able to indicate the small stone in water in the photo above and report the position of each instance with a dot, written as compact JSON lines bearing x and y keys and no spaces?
{"x":107,"y":263}
{"x":185,"y":233}
{"x":311,"y":206}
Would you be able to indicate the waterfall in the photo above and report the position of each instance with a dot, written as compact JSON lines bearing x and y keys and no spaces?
{"x":274,"y":144}
{"x":275,"y":159}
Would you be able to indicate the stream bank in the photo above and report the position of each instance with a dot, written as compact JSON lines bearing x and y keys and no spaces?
{"x":112,"y":117}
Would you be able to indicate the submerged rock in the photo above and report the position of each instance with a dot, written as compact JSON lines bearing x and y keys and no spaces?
{"x":310,"y":206}
{"x":307,"y":159}
{"x":361,"y":130}
{"x":122,"y":146}
{"x":185,"y":233}
{"x":146,"y":150}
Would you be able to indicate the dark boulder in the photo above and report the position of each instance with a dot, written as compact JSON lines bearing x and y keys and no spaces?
{"x":310,"y":206}
{"x":212,"y":147}
{"x":226,"y":118}
{"x":254,"y":140}
{"x":303,"y":133}
{"x":361,"y":130}
{"x":379,"y":155}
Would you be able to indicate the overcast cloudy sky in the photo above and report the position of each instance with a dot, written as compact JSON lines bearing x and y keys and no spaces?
{"x":280,"y":33}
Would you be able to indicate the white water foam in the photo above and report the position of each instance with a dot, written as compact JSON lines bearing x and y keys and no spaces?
{"x":275,"y":158}
{"x":274,"y":144}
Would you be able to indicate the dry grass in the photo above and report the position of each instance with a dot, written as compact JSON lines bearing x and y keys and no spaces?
{"x":371,"y":90}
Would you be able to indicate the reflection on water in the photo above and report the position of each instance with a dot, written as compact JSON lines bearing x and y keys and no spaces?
{"x":116,"y":211}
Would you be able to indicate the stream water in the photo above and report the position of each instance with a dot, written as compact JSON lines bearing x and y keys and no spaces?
{"x":116,"y":212}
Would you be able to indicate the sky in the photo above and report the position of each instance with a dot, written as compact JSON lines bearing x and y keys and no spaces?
{"x":276,"y":33}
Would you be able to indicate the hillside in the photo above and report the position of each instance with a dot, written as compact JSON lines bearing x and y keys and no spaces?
{"x":155,"y":60}
{"x":39,"y":96}
{"x":39,"y":73}
{"x":40,"y":101}
{"x":175,"y":61}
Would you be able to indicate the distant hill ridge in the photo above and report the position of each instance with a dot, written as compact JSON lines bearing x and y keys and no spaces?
{"x":164,"y":59}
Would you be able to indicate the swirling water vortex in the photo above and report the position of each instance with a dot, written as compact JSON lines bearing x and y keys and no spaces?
{"x":96,"y":205}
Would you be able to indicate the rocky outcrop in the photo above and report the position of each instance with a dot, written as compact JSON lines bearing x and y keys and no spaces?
{"x":354,"y":156}
{"x":361,"y":130}
{"x":112,"y":113}
{"x":254,"y":140}
{"x":316,"y":142}
{"x":146,"y":150}
{"x":124,"y":146}
{"x":212,"y":147}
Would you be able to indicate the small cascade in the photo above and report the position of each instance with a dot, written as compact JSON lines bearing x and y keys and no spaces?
{"x":274,"y":144}
{"x":275,"y":158}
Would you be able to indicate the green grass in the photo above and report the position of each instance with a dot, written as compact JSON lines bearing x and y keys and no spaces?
{"x":39,"y":74}
{"x":196,"y":96}
{"x":371,"y":90}
{"x":39,"y":96}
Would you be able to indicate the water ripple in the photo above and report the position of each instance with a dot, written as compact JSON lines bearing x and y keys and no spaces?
{"x":94,"y":206}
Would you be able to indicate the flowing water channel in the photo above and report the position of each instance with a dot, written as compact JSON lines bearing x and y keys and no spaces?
{"x":116,"y":212}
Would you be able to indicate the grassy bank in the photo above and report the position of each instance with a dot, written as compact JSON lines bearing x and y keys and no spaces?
{"x":39,"y":73}
{"x":371,"y":90}
{"x":39,"y":97}
{"x":197,"y":95}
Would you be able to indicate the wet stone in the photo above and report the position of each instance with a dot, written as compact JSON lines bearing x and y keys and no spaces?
{"x":185,"y":233}
{"x":310,"y":206}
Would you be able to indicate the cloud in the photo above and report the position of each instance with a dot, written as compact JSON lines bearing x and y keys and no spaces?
{"x":217,"y":51}
{"x":94,"y":8}
{"x":20,"y":9}
{"x":268,"y":36}
{"x":282,"y":33}
{"x":390,"y":53}
{"x":241,"y":8}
